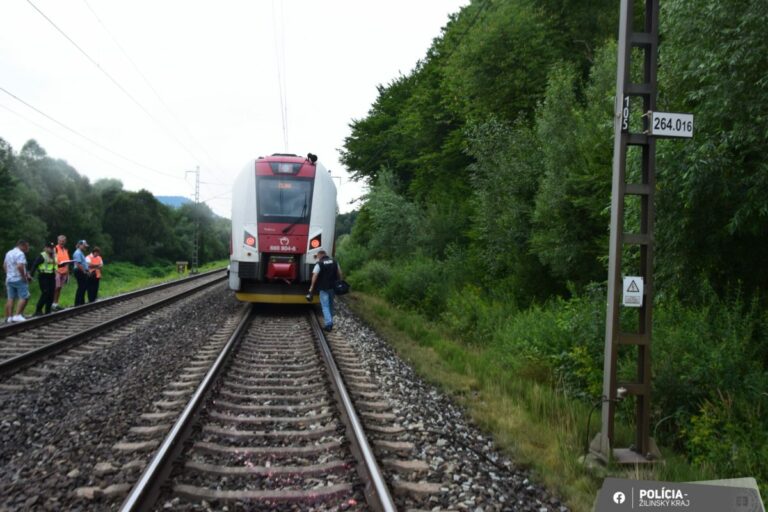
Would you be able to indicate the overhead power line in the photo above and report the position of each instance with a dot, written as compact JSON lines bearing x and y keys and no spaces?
{"x":149,"y":84}
{"x":78,"y":146}
{"x":281,"y":78}
{"x":115,"y":82}
{"x":226,"y":194}
{"x":92,"y":141}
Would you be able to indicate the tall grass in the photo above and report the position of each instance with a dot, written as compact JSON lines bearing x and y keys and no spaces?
{"x":709,"y":383}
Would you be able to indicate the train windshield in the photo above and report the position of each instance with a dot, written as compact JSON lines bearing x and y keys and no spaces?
{"x":283,"y":200}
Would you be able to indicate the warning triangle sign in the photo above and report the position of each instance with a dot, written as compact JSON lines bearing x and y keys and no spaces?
{"x":633,"y":287}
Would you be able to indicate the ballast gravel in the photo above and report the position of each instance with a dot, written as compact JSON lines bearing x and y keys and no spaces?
{"x":474,"y":475}
{"x":57,"y":435}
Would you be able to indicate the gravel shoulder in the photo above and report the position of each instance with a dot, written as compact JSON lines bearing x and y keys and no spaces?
{"x":53,"y":434}
{"x":475,"y":475}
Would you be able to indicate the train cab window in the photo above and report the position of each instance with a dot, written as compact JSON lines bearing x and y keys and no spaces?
{"x":283,"y":200}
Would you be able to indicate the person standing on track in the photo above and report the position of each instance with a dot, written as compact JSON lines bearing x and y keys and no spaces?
{"x":324,"y":276}
{"x":95,"y":263}
{"x":62,"y":273}
{"x":45,"y":266}
{"x":81,"y":272}
{"x":16,"y":281}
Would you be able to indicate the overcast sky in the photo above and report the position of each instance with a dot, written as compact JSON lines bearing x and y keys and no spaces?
{"x":146,"y":90}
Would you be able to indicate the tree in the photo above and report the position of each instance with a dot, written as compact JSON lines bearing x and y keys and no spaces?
{"x":212,"y":231}
{"x":140,"y":228}
{"x":8,"y":196}
{"x":56,"y":192}
{"x":396,"y":225}
{"x":712,"y":212}
{"x":105,"y":185}
{"x":505,"y":179}
{"x":18,"y":221}
{"x":499,"y":62}
{"x":375,"y":141}
{"x":344,"y":222}
{"x":571,"y":216}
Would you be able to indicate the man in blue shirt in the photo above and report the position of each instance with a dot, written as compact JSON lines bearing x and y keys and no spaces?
{"x":81,"y":272}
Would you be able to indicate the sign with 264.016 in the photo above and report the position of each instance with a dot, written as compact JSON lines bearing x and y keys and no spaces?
{"x":669,"y":124}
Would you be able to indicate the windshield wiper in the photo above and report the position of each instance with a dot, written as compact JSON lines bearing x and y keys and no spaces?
{"x":301,"y":217}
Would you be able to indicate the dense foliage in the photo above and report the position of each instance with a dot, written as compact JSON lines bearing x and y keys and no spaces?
{"x":489,"y":168}
{"x":42,"y":198}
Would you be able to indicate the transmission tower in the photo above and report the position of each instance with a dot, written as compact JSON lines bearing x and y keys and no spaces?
{"x":196,"y":236}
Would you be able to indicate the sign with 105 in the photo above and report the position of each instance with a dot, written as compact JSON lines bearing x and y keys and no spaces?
{"x":625,"y":115}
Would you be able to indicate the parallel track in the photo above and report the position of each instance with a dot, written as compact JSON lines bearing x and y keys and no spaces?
{"x":26,"y":343}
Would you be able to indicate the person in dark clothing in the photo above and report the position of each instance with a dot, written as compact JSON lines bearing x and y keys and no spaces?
{"x":324,"y":275}
{"x":45,"y":266}
{"x":81,"y":272}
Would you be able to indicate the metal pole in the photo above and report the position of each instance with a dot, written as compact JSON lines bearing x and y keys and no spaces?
{"x":644,"y":448}
{"x":196,"y":212}
{"x":195,"y":256}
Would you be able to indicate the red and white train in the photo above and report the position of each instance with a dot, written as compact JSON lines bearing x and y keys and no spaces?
{"x":283,"y":212}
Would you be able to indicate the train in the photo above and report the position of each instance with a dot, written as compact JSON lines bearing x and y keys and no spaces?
{"x":283,"y":212}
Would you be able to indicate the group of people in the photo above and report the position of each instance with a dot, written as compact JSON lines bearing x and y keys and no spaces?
{"x":52,"y":267}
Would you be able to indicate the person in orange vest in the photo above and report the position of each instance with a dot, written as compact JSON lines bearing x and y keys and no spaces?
{"x":95,"y":263}
{"x":62,"y":272}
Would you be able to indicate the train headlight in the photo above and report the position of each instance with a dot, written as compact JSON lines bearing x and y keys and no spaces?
{"x":250,"y":241}
{"x":316,"y":242}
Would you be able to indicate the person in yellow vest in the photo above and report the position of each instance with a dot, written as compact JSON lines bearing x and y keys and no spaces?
{"x":95,"y":263}
{"x":45,"y":265}
{"x":62,"y":273}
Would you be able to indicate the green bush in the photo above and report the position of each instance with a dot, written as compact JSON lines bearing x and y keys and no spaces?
{"x":472,"y":315}
{"x":731,"y":434}
{"x":158,"y":271}
{"x":416,"y":283}
{"x":350,"y":254}
{"x":704,"y":352}
{"x":709,"y":382}
{"x":372,"y":277}
{"x":560,"y":342}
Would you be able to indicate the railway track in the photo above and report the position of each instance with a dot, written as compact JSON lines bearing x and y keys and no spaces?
{"x":72,"y":333}
{"x":273,"y":426}
{"x":265,"y":434}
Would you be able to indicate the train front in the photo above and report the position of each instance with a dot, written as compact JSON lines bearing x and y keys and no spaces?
{"x":283,"y":212}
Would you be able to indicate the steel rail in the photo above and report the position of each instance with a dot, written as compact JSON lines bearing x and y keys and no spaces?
{"x":37,"y":321}
{"x":146,"y":491}
{"x":376,"y":490}
{"x":10,"y":366}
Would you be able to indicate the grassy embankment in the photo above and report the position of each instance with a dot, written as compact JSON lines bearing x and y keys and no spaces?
{"x":533,"y":423}
{"x":118,"y":278}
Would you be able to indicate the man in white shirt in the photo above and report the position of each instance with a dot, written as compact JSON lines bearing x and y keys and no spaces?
{"x":16,"y":281}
